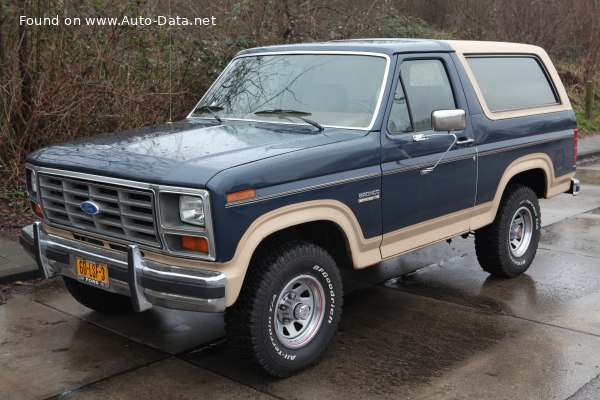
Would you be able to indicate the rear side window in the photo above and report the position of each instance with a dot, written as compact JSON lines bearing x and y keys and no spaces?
{"x":512,"y":83}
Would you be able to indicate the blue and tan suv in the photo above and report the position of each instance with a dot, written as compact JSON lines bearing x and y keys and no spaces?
{"x":301,"y":160}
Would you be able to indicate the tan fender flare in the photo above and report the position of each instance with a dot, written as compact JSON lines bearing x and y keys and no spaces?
{"x":364,"y":251}
{"x":485,"y":213}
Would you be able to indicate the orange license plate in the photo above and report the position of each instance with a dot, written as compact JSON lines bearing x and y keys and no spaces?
{"x":91,"y":272}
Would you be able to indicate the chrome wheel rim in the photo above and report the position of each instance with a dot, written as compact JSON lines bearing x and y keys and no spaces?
{"x":299,"y":311}
{"x":520,"y":232}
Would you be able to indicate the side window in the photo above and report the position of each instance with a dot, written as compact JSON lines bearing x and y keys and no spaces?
{"x":399,"y":120}
{"x":512,"y":83}
{"x":428,"y":89}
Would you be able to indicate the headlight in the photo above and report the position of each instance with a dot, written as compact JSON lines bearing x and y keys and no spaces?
{"x":191,"y":209}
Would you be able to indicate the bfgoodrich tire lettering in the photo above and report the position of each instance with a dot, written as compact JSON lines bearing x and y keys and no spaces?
{"x":507,"y":247}
{"x":289,"y":308}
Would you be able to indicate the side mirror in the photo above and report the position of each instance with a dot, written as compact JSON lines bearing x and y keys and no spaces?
{"x":448,"y":120}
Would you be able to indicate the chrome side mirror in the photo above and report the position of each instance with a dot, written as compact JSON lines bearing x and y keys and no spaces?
{"x":448,"y":120}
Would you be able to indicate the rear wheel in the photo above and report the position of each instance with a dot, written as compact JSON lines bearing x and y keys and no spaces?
{"x":97,"y":299}
{"x":289,"y":308}
{"x":507,"y":247}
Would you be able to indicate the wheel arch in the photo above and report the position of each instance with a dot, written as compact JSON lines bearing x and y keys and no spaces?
{"x":536,"y":179}
{"x":324,"y":233}
{"x":304,"y":218}
{"x":527,"y":170}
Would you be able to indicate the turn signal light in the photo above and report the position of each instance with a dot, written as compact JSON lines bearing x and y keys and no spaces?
{"x":241,"y":195}
{"x":198,"y":244}
{"x":37,"y":209}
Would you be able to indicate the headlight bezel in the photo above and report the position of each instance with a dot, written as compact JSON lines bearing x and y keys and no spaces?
{"x":172,"y":227}
{"x":31,"y":182}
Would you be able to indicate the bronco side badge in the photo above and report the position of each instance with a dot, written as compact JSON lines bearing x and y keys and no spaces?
{"x":368,"y":196}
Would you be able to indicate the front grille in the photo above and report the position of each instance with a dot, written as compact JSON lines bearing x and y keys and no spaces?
{"x":124,"y":213}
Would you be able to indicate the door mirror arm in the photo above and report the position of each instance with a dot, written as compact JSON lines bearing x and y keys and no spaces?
{"x":421,"y":137}
{"x":445,"y":120}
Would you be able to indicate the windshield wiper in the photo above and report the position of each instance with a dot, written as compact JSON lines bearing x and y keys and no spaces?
{"x":292,"y":113}
{"x":211,"y":110}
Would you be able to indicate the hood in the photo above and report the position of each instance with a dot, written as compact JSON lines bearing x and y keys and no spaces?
{"x":187,"y":153}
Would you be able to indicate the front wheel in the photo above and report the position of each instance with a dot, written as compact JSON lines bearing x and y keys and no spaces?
{"x":289,"y":308}
{"x":507,"y":247}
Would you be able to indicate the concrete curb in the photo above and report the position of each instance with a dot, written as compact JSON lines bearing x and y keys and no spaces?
{"x":588,"y":156}
{"x":20,"y":276}
{"x":15,"y":263}
{"x":589,"y":148}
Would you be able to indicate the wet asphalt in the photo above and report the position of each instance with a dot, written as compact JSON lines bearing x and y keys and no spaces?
{"x":428,"y":325}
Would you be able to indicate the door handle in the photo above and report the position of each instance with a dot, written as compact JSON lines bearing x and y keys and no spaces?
{"x":465,"y":141}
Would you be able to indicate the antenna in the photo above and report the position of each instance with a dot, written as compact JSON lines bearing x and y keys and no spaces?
{"x":170,"y":69}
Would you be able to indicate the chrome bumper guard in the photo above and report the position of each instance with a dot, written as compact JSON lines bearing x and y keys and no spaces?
{"x":147,"y":282}
{"x":575,"y":186}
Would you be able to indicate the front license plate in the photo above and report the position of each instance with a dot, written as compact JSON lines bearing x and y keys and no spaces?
{"x":91,"y":272}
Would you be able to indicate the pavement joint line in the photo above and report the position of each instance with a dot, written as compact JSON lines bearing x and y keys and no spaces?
{"x":103,"y":327}
{"x":554,"y":326}
{"x":471,"y":307}
{"x":504,"y":314}
{"x":167,"y":355}
{"x":106,"y":378}
{"x":213,"y":344}
{"x":231,"y":379}
{"x":568,"y":252}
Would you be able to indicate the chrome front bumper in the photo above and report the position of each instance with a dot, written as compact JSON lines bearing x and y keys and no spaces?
{"x":147,"y":282}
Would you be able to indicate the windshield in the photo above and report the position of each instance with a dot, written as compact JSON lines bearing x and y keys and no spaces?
{"x":331,"y":89}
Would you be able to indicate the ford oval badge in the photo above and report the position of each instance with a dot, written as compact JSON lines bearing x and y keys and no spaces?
{"x":89,"y":207}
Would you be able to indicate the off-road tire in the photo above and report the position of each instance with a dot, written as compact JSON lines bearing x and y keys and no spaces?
{"x":253,"y":324}
{"x":97,"y":299}
{"x":493,"y":244}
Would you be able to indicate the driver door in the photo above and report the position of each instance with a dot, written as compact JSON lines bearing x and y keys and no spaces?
{"x":420,"y":208}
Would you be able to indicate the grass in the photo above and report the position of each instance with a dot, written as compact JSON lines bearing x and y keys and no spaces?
{"x":15,"y":198}
{"x":14,"y":211}
{"x":587,"y":125}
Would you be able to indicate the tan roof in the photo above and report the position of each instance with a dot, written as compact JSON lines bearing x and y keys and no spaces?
{"x":466,"y":47}
{"x":475,"y":46}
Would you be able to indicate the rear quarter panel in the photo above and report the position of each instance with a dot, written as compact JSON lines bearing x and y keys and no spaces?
{"x":503,"y":139}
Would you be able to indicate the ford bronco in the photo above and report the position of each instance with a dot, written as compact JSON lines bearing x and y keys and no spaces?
{"x":298,"y":161}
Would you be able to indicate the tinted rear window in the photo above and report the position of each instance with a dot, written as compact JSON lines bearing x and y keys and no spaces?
{"x":512,"y":83}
